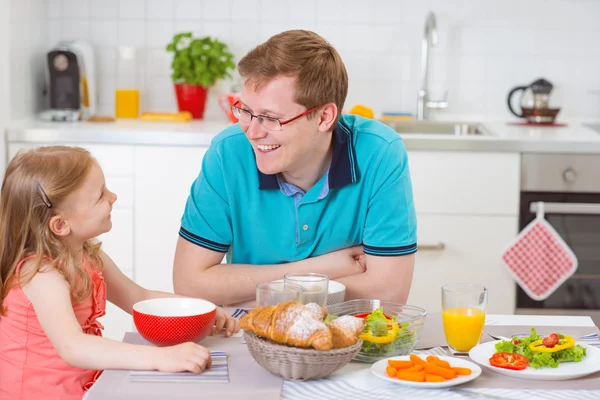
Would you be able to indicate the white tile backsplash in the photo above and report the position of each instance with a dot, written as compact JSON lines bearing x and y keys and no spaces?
{"x":159,"y":33}
{"x":75,"y":29}
{"x":104,"y":33}
{"x":132,"y":33}
{"x":274,"y":11}
{"x":189,"y":9}
{"x":159,"y":9}
{"x":246,"y":10}
{"x":132,"y":9}
{"x":76,"y":8}
{"x":104,"y":9}
{"x":485,"y":48}
{"x":217,"y":10}
{"x":54,"y":8}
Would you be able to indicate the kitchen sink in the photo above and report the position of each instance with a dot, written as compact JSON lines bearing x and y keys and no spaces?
{"x":438,"y":128}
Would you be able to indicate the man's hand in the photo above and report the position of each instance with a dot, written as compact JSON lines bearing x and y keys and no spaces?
{"x":344,"y":262}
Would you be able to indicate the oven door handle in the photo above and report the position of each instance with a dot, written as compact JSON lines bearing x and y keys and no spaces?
{"x":567,"y":208}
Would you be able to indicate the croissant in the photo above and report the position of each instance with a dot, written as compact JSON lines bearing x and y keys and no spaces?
{"x":289,"y":323}
{"x":345,"y":330}
{"x":319,"y":311}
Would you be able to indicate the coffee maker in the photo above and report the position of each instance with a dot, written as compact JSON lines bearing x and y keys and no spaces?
{"x":71,"y":87}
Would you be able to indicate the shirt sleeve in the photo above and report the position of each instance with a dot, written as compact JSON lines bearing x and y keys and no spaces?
{"x":391,"y":222}
{"x":206,"y":219}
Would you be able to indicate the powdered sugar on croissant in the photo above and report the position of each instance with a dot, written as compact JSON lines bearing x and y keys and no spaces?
{"x":345,"y":330}
{"x":320,"y":312}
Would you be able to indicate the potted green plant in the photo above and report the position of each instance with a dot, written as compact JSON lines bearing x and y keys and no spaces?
{"x":198,"y":63}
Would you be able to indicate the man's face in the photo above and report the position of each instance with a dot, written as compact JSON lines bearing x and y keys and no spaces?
{"x":290,"y":151}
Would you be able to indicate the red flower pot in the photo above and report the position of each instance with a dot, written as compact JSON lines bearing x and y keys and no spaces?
{"x":191,"y":98}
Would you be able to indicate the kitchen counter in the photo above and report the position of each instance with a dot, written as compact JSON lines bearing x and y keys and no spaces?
{"x":573,"y":138}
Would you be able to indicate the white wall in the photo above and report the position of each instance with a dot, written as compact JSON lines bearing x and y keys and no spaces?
{"x":22,"y":44}
{"x":4,"y":79}
{"x":27,"y":47}
{"x":486,"y":47}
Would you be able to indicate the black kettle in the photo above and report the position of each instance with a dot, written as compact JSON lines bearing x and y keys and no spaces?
{"x":534,"y":102}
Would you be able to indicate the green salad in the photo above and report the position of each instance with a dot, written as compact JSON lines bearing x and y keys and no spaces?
{"x":543,"y":352}
{"x":383,"y":334}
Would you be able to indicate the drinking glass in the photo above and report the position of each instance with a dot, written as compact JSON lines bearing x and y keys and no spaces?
{"x":315,"y":287}
{"x":463,"y":315}
{"x":272,"y":293}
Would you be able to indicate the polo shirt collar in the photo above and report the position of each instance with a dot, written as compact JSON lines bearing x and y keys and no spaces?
{"x":343,"y":169}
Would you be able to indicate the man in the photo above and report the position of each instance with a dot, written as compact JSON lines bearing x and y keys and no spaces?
{"x":297,"y":187}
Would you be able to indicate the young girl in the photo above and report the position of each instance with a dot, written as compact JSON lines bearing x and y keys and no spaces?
{"x":55,"y":280}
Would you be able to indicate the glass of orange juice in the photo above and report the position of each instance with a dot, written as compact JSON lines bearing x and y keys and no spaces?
{"x":463,"y":315}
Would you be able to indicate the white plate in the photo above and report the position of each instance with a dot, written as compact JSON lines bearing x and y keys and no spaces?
{"x":569,"y":370}
{"x":378,"y":369}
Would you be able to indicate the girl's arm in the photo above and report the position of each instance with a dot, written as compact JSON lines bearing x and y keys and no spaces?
{"x":50,"y":296}
{"x":124,"y":293}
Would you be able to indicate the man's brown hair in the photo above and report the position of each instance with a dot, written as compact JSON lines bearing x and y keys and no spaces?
{"x":319,"y":69}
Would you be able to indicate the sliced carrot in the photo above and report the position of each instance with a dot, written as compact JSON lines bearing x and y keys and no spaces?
{"x":447,"y":373}
{"x":391,"y":371}
{"x":462,"y":371}
{"x":415,"y":368}
{"x":411,"y":376}
{"x":416,"y":359}
{"x":433,"y":378}
{"x":442,"y":363}
{"x":432,"y":358}
{"x":400,"y":364}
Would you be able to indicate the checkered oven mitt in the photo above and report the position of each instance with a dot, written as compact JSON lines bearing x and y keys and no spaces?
{"x":539,"y":259}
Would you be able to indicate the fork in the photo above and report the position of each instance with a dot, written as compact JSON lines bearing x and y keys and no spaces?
{"x":239,"y":313}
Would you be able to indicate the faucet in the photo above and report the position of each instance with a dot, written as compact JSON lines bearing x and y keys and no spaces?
{"x":430,"y":38}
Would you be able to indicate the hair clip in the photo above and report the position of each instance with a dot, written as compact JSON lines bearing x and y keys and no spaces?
{"x":44,"y":196}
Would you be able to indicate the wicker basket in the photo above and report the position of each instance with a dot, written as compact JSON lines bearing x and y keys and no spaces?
{"x":296,"y":363}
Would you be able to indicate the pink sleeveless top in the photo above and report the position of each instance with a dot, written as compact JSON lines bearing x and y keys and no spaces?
{"x":30,"y":368}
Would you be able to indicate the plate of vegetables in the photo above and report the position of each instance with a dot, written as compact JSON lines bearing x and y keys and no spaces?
{"x":426,"y":372}
{"x":554,"y":357}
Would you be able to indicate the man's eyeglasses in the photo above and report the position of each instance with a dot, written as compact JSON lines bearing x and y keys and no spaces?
{"x":272,"y":124}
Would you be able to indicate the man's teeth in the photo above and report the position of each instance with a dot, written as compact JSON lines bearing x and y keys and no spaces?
{"x":267,"y":147}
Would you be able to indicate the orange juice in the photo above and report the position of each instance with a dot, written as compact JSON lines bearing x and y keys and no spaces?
{"x":127,"y":103}
{"x":463,"y":327}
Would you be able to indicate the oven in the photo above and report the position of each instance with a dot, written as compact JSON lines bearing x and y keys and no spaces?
{"x":569,"y":187}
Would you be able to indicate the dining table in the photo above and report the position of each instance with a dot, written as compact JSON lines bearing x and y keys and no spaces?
{"x":246,"y":379}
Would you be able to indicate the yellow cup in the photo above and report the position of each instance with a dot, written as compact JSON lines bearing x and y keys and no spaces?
{"x":463,"y":315}
{"x":127,"y":103}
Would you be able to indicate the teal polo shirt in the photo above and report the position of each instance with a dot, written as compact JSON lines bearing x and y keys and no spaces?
{"x":365,"y":198}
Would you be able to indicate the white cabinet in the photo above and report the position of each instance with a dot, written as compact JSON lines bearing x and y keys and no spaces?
{"x":463,"y":248}
{"x":164,"y":177}
{"x":467,"y":213}
{"x":465,"y":183}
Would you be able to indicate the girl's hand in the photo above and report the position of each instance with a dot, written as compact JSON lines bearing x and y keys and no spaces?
{"x":227,"y":322}
{"x":183,"y":357}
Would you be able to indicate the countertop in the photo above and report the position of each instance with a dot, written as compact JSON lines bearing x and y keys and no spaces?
{"x":576,"y":137}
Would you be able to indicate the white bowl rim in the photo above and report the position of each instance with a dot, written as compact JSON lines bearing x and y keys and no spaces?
{"x":334,"y":286}
{"x":174,"y":307}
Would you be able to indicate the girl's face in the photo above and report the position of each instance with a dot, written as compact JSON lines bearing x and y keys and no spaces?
{"x":87,"y":210}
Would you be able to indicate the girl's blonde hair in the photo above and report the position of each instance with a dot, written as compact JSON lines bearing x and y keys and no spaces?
{"x":36,"y":183}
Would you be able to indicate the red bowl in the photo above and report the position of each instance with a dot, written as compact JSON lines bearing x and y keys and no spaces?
{"x":169,"y":321}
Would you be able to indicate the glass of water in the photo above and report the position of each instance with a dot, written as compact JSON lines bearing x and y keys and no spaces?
{"x":272,"y":293}
{"x":315,"y":287}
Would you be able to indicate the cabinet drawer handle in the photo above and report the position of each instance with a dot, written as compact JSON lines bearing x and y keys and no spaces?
{"x":432,"y":247}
